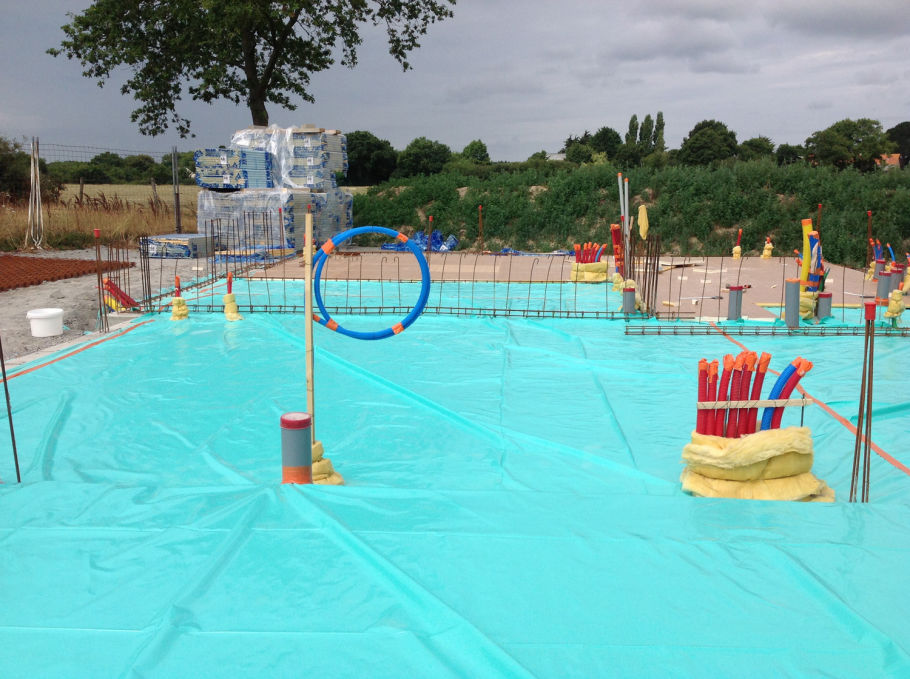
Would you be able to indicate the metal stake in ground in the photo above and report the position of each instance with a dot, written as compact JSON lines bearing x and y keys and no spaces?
{"x":864,"y":417}
{"x":9,"y":413}
{"x":102,"y":309}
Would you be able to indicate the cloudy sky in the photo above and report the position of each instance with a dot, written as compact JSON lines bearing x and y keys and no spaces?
{"x":522,"y":75}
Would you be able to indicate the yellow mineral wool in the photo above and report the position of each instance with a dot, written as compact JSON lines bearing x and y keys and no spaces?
{"x":231,"y":311}
{"x":179,"y":309}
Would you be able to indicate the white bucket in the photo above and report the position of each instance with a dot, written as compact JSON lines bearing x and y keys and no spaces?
{"x":46,"y":322}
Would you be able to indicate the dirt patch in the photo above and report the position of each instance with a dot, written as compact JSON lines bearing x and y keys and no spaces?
{"x":17,"y":271}
{"x":536,"y":190}
{"x":462,"y":191}
{"x":393,"y":191}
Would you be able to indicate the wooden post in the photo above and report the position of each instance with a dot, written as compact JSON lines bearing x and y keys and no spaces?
{"x":480,"y":225}
{"x":308,"y":323}
{"x":869,"y":238}
{"x":81,"y":189}
{"x":175,"y":178}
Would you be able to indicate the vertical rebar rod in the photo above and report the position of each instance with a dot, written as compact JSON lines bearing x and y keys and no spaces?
{"x":546,"y":284}
{"x":867,"y":454}
{"x":442,"y":277}
{"x":854,"y":477}
{"x":494,"y":284}
{"x":704,"y":285}
{"x":458,"y":284}
{"x":720,"y":281}
{"x":9,"y":414}
{"x":783,"y":282}
{"x":843,"y":294}
{"x":509,"y":282}
{"x":102,"y":308}
{"x":474,"y":279}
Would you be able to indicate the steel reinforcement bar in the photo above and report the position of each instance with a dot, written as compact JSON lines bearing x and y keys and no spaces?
{"x":632,"y":329}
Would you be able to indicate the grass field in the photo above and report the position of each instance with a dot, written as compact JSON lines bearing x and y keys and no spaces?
{"x":121,"y":211}
{"x":142,"y":193}
{"x":139,"y":194}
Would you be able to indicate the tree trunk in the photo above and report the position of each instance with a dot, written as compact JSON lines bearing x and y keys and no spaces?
{"x":257,"y":109}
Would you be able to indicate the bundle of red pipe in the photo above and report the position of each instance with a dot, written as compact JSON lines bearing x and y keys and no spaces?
{"x":587,"y":253}
{"x":618,"y":252}
{"x":733,"y":385}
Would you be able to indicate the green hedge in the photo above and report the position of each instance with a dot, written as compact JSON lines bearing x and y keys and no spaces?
{"x":696,"y":210}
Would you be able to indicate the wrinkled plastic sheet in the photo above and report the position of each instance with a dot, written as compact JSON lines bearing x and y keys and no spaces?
{"x":512,"y":508}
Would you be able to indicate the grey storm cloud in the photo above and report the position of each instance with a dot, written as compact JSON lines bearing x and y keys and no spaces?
{"x":524,"y":74}
{"x":841,"y":18}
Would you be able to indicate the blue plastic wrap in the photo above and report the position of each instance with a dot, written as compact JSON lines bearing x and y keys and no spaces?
{"x":512,"y":509}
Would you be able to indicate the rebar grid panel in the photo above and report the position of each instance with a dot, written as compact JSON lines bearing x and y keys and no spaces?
{"x":818,"y":331}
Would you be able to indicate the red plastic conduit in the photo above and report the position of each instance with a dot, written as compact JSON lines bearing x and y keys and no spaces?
{"x":742,"y":417}
{"x":802,"y":368}
{"x":702,"y":394}
{"x":735,"y":394}
{"x":760,"y":371}
{"x":711,"y":397}
{"x":722,"y":395}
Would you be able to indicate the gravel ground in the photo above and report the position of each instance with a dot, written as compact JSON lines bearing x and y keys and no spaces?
{"x":78,"y":297}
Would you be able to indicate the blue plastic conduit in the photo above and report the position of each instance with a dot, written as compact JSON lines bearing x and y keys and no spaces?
{"x":320,"y":259}
{"x":775,"y":393}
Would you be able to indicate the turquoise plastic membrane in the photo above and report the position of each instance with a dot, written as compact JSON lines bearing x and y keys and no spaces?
{"x":512,"y":508}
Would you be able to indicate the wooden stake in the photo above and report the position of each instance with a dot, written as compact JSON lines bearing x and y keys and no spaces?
{"x":308,"y":324}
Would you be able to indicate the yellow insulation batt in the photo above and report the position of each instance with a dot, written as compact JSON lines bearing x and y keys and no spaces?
{"x":179,"y":310}
{"x":754,"y":456}
{"x":774,"y":464}
{"x":618,"y":282}
{"x":804,"y":487}
{"x":807,"y":301}
{"x":323,"y":471}
{"x":231,"y":311}
{"x":895,"y":305}
{"x":592,"y":272}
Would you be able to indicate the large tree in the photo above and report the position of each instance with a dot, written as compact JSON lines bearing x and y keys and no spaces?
{"x":900,"y":135}
{"x":476,"y":151}
{"x":371,"y":160}
{"x":756,"y":147}
{"x":422,"y":156}
{"x":253,"y":52}
{"x":708,"y":141}
{"x":850,"y":142}
{"x":606,"y":140}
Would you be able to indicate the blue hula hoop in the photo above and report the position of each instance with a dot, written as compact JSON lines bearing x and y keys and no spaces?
{"x":322,"y":257}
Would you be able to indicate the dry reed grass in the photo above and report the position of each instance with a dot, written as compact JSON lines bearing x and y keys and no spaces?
{"x":70,"y":224}
{"x":130,"y":193}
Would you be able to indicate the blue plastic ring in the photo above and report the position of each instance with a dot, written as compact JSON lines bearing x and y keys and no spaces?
{"x":321,"y":258}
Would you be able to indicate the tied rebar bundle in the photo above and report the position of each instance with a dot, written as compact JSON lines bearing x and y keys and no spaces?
{"x":862,"y":453}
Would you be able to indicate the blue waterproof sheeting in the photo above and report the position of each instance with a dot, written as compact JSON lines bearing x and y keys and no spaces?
{"x":512,"y":509}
